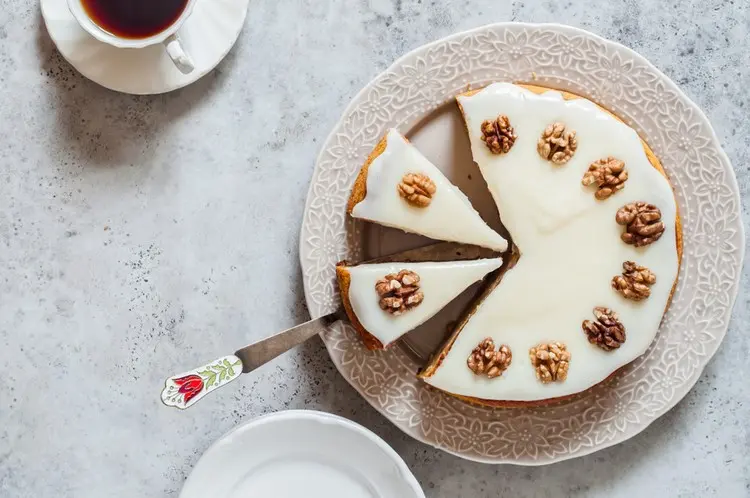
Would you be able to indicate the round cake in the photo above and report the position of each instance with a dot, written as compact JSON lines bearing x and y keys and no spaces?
{"x":597,"y":247}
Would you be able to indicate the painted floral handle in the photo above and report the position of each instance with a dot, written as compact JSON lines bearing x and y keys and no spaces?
{"x":185,"y":389}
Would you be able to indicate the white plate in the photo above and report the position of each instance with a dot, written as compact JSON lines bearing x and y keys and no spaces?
{"x":297,"y":454}
{"x":207,"y":35}
{"x":416,"y":95}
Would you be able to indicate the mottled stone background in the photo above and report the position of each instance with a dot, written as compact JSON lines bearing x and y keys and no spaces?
{"x":143,"y":235}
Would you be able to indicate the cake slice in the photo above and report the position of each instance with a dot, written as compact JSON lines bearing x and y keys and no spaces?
{"x":398,"y":187}
{"x":386,"y":300}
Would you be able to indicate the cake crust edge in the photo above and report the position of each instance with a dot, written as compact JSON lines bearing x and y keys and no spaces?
{"x":359,"y":189}
{"x":344,"y":280}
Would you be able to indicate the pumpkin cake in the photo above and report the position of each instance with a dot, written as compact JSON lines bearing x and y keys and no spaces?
{"x":598,"y":242}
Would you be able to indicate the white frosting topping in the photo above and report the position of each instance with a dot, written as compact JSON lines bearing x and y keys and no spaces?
{"x":450,"y":216}
{"x":440,"y":282}
{"x":570,"y":247}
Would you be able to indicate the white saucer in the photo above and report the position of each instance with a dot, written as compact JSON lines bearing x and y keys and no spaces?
{"x":301,"y":453}
{"x":208,"y":35}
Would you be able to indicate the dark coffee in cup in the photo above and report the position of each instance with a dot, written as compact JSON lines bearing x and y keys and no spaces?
{"x":134,"y":19}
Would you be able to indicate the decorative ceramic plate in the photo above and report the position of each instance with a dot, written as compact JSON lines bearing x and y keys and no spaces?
{"x":415,"y":95}
{"x":301,"y":453}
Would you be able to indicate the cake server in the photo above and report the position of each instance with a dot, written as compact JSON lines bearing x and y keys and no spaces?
{"x":185,"y":389}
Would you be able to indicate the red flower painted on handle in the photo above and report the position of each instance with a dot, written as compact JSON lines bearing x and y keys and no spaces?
{"x":190,"y":386}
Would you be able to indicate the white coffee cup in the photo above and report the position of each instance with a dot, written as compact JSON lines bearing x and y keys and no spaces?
{"x":168,"y":37}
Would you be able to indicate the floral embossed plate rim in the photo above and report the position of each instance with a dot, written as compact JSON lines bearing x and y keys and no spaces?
{"x":705,"y":187}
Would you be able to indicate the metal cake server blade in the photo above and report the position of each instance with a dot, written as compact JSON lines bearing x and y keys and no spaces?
{"x":185,"y":389}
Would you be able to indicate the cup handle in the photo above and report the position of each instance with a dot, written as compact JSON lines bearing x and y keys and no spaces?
{"x":178,"y":55}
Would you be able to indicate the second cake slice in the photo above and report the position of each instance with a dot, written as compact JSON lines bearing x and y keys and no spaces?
{"x":386,"y":300}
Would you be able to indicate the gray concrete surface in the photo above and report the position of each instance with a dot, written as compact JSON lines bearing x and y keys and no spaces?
{"x":142,"y":235}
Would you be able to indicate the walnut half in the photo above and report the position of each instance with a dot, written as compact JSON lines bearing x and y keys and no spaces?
{"x":557,"y":144}
{"x":607,"y":332}
{"x":635,"y":281}
{"x":643,"y":221}
{"x":608,"y":174}
{"x":484,"y":360}
{"x":417,"y":189}
{"x":399,"y":292}
{"x":498,"y":135}
{"x":551,"y":361}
